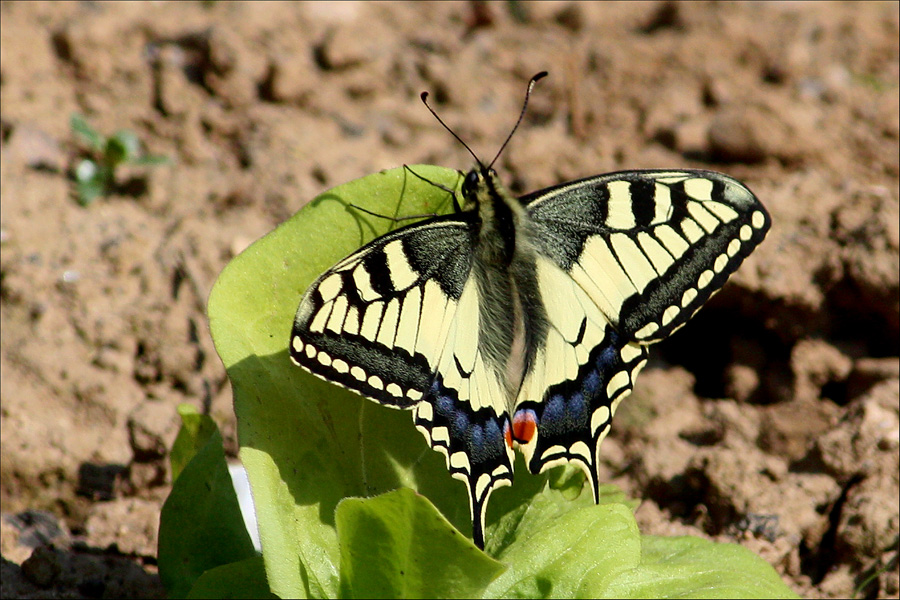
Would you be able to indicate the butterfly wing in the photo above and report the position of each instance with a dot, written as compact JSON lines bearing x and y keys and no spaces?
{"x":649,"y":247}
{"x":579,"y":375}
{"x":464,"y":414}
{"x":398,"y":322}
{"x":624,"y":260}
{"x":376,"y":321}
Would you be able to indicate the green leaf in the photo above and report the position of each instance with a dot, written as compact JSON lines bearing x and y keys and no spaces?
{"x":196,"y":431}
{"x":201,"y":526}
{"x":89,"y":190}
{"x":87,"y":133}
{"x":305,"y":443}
{"x":129,"y":141}
{"x":569,"y":480}
{"x":569,"y":549}
{"x":91,"y":181}
{"x":398,"y":545}
{"x":120,"y":148}
{"x":690,"y":567}
{"x":242,"y":579}
{"x":561,"y":547}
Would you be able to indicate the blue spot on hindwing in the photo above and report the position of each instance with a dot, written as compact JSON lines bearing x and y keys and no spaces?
{"x":607,"y":357}
{"x":493,"y":433}
{"x":477,"y":433}
{"x":476,"y":437}
{"x":591,"y":383}
{"x":577,"y":410}
{"x":460,"y":423}
{"x":554,"y":409}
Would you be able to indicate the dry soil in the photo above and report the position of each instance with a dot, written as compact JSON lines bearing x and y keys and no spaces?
{"x":771,"y":420}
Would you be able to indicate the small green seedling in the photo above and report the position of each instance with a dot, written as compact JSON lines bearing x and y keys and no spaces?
{"x":96,"y":175}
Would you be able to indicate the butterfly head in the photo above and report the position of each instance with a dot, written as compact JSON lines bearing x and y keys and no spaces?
{"x":482,"y":186}
{"x":475,"y":181}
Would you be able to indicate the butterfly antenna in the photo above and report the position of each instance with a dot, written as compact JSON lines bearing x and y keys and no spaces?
{"x":531,"y":83}
{"x":424,"y":97}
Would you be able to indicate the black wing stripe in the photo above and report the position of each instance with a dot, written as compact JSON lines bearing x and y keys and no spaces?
{"x":409,"y":374}
{"x":378,"y":277}
{"x":644,"y":212}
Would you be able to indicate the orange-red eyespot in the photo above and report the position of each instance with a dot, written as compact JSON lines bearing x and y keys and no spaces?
{"x":507,"y":434}
{"x":524,"y":426}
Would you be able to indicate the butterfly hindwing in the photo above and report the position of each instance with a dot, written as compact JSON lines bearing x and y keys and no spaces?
{"x":649,"y":247}
{"x":578,"y":378}
{"x":464,"y":413}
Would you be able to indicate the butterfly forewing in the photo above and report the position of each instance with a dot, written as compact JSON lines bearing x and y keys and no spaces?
{"x":649,"y":247}
{"x":376,"y":322}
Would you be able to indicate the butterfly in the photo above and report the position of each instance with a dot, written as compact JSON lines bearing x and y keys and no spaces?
{"x":521,"y":323}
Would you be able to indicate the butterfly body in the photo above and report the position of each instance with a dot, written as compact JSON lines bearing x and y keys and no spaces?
{"x":521,"y":323}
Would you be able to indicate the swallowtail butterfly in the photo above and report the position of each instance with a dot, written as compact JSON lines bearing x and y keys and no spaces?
{"x":523,"y":322}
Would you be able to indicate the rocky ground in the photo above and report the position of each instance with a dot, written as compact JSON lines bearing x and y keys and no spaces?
{"x":771,"y":420}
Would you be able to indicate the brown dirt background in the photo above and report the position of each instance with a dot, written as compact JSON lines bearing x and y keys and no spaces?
{"x":771,"y":420}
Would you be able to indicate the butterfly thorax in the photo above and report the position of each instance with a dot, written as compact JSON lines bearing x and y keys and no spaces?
{"x":512,"y":321}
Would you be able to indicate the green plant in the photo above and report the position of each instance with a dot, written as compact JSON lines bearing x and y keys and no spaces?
{"x":325,"y":466}
{"x":96,"y":175}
